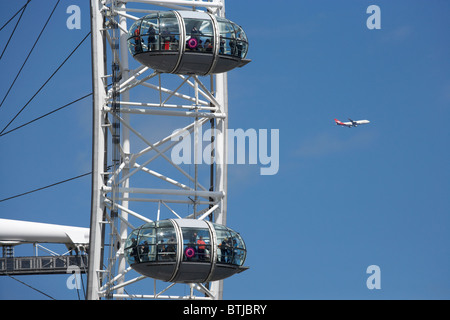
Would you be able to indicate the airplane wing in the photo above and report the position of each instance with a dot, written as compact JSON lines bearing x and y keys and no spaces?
{"x":355,"y":123}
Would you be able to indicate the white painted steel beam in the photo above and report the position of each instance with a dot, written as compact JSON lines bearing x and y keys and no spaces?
{"x":191,"y":114}
{"x":221,"y":182}
{"x":173,"y":192}
{"x":98,"y":47}
{"x":17,"y":232}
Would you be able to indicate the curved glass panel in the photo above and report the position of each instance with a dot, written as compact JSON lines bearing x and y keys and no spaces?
{"x":231,"y":247}
{"x":227,"y":37}
{"x":224,"y":252}
{"x":196,"y":244}
{"x":134,"y":38}
{"x":166,"y":241}
{"x":199,"y":35}
{"x":152,"y":242}
{"x":150,"y":33}
{"x":239,"y":251}
{"x":154,"y":32}
{"x":131,"y":251}
{"x":146,"y":244}
{"x":241,"y":42}
{"x":233,"y":40}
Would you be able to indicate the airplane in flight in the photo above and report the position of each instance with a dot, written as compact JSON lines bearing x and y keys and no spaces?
{"x":352,"y":123}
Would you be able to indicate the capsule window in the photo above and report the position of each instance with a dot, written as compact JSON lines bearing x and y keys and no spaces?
{"x":240,"y":44}
{"x":227,"y":37}
{"x":231,"y":247}
{"x":224,"y":252}
{"x":152,"y":242}
{"x":233,"y":41}
{"x":166,"y":241}
{"x":199,"y":35}
{"x":169,"y":34}
{"x":145,"y":245}
{"x":150,"y":34}
{"x":196,"y":245}
{"x":135,"y":42}
{"x":155,"y":33}
{"x":131,"y":250}
{"x":239,"y":251}
{"x":226,"y":30}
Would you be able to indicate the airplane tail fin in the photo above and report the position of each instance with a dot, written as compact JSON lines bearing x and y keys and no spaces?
{"x":337,"y":121}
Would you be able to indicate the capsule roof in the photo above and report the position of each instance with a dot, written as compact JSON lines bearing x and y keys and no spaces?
{"x":188,"y":42}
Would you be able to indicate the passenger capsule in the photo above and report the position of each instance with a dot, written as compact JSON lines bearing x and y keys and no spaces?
{"x":188,"y":42}
{"x":185,"y":251}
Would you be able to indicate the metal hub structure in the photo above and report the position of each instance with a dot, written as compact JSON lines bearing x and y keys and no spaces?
{"x":137,"y":112}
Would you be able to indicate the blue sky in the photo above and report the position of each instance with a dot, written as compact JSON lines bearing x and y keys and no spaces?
{"x":342,"y":200}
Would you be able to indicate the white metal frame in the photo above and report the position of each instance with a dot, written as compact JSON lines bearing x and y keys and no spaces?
{"x":113,"y":195}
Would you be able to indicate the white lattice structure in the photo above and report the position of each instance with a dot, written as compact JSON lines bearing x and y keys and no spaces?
{"x":135,"y":178}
